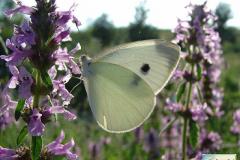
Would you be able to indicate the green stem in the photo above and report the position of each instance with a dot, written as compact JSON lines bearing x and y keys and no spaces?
{"x":36,"y":96}
{"x":184,"y":138}
{"x":185,"y":119}
{"x":3,"y":45}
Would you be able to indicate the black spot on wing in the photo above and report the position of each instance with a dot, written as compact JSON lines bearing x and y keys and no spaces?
{"x":145,"y":68}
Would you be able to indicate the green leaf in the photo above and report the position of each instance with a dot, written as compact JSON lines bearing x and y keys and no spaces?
{"x":194,"y":133}
{"x":22,"y":135}
{"x":199,"y":94}
{"x":36,"y":147}
{"x":46,"y":80}
{"x":199,"y":72}
{"x":19,"y":108}
{"x":59,"y":158}
{"x":181,"y":91}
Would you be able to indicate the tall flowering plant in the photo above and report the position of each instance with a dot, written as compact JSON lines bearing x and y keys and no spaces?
{"x":199,"y":80}
{"x":35,"y":61}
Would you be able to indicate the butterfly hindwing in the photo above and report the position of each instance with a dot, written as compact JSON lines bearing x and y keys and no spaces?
{"x":119,"y":98}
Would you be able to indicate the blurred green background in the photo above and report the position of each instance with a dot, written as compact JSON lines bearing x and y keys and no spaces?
{"x":93,"y":142}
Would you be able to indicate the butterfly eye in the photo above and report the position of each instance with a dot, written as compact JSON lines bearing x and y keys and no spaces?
{"x":83,"y":57}
{"x":145,"y":68}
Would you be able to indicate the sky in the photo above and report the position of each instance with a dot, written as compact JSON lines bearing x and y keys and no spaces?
{"x":162,"y":13}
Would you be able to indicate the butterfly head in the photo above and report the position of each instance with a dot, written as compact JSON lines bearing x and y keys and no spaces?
{"x":85,"y":62}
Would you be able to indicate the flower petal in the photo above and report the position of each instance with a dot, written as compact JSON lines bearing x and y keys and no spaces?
{"x":35,"y":126}
{"x":22,"y":9}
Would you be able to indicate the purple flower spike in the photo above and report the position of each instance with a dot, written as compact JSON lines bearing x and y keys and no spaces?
{"x":7,"y":154}
{"x":35,"y":126}
{"x":58,"y":149}
{"x":22,"y":9}
{"x":26,"y":82}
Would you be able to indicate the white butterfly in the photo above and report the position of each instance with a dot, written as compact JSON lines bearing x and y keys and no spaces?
{"x":123,"y":82}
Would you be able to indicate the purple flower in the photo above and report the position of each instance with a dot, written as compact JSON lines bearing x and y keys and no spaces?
{"x":172,"y":106}
{"x":236,"y":124}
{"x":13,"y":82}
{"x":18,"y":53}
{"x":35,"y":125}
{"x":182,"y":31}
{"x":210,"y":141}
{"x":58,"y":149}
{"x":236,"y":116}
{"x":7,"y":154}
{"x":26,"y":82}
{"x":64,"y":59}
{"x":151,"y":142}
{"x":61,"y":36}
{"x":199,"y":112}
{"x":20,"y":44}
{"x":76,"y":21}
{"x":66,"y":16}
{"x":139,"y":134}
{"x":62,"y":32}
{"x":94,"y":149}
{"x":59,"y":87}
{"x":177,"y":75}
{"x":105,"y":141}
{"x":61,"y":110}
{"x":5,"y":120}
{"x":8,"y":103}
{"x":21,"y":9}
{"x":24,"y":36}
{"x":171,"y":137}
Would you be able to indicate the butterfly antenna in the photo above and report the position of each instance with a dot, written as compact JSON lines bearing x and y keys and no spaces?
{"x":75,"y":87}
{"x":77,"y":28}
{"x":167,"y":126}
{"x":79,"y":78}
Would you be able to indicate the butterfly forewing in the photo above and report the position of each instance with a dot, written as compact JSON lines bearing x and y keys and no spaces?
{"x":152,"y":60}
